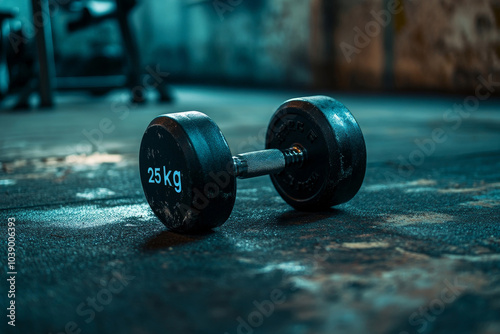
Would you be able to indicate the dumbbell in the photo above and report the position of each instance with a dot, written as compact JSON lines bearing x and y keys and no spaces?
{"x":315,"y":153}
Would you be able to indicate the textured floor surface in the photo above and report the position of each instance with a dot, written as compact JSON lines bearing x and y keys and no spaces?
{"x":416,"y":251}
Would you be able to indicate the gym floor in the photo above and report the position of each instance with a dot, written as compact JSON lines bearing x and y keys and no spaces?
{"x":417,"y":249}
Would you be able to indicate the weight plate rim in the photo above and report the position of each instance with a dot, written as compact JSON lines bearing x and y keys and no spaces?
{"x":319,"y":106}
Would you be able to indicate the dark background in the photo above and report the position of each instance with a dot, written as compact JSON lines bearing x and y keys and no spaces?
{"x":427,"y":45}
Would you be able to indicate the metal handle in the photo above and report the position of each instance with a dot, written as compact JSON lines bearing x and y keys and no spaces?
{"x":272,"y":161}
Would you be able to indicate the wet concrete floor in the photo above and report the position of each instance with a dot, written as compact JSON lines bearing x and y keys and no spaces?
{"x":416,"y":251}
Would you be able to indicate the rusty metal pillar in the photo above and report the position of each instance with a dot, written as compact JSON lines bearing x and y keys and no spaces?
{"x":45,"y":51}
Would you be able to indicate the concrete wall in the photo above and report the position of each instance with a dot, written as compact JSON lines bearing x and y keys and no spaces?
{"x":433,"y":45}
{"x":433,"y":52}
{"x":251,"y":42}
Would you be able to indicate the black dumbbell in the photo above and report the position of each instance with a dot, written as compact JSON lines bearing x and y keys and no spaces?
{"x":315,"y":154}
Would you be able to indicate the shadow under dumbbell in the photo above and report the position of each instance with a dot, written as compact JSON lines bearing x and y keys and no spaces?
{"x":294,"y":217}
{"x":166,"y":239}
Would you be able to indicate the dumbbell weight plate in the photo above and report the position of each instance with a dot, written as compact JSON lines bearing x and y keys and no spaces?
{"x":180,"y":161}
{"x":336,"y":155}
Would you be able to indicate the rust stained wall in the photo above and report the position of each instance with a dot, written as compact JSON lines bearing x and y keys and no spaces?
{"x":446,"y":44}
{"x":335,"y":33}
{"x":432,"y":45}
{"x":363,"y":69}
